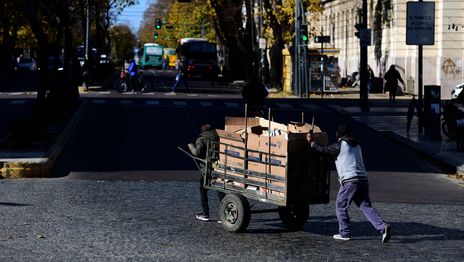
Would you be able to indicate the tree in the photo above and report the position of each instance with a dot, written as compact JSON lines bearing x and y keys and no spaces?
{"x":123,"y":42}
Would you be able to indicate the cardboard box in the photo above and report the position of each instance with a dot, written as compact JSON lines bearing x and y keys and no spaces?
{"x":231,"y":143}
{"x":231,"y":161}
{"x":278,"y":160}
{"x":280,"y":146}
{"x":269,"y":169}
{"x":300,"y":127}
{"x":274,"y":125}
{"x":234,"y":124}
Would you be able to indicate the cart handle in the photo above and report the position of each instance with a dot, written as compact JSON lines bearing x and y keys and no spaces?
{"x":190,"y":155}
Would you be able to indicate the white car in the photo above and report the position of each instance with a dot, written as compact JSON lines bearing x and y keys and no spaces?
{"x":457,"y":90}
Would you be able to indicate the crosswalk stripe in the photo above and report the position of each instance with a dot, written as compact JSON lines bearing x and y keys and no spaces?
{"x":179,"y":103}
{"x":310,"y":106}
{"x":212,"y":95}
{"x":103,"y":92}
{"x":16,"y":93}
{"x":206,"y":104}
{"x":99,"y":101}
{"x":17,"y":102}
{"x":192,"y":94}
{"x":152,"y":102}
{"x":282,"y":105}
{"x":229,"y":104}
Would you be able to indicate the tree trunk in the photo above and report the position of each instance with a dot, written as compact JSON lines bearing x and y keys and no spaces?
{"x":31,"y":11}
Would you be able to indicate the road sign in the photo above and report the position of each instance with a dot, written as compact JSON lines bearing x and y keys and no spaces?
{"x":322,"y":39}
{"x":365,"y":37}
{"x":420,"y":23}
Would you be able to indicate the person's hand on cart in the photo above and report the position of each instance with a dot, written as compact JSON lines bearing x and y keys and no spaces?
{"x":309,"y":137}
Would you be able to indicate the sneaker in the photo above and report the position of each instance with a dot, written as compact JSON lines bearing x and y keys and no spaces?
{"x":202,"y":217}
{"x":339,"y":237}
{"x":386,"y":234}
{"x":219,"y":222}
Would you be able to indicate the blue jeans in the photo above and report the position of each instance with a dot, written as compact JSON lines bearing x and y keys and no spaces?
{"x":179,"y":78}
{"x":357,"y":192}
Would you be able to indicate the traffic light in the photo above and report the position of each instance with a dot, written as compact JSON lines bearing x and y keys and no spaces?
{"x":358,"y":27}
{"x":158,"y":23}
{"x":304,"y":34}
{"x":155,"y":35}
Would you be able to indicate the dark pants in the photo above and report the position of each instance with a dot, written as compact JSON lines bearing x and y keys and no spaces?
{"x":357,"y":192}
{"x":180,"y":77}
{"x":133,"y":83}
{"x":204,"y":196}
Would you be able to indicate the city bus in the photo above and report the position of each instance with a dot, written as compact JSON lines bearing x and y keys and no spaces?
{"x":200,"y":56}
{"x":152,"y":56}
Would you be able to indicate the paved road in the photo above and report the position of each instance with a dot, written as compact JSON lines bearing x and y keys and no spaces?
{"x":122,"y":191}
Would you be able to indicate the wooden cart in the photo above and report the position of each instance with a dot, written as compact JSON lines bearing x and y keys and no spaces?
{"x":292,"y":182}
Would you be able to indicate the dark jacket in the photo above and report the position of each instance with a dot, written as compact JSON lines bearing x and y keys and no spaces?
{"x":391,"y":79}
{"x":334,"y":149}
{"x":199,"y":148}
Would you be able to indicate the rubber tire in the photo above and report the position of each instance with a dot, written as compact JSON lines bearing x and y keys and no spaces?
{"x":122,"y":86}
{"x":294,"y":216}
{"x":235,"y":213}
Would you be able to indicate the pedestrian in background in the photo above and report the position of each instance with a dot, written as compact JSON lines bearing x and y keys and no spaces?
{"x":392,"y":76}
{"x":354,"y":185}
{"x":199,"y":149}
{"x":412,"y":106}
{"x":370,"y":78}
{"x":133,"y":75}
{"x":180,"y":76}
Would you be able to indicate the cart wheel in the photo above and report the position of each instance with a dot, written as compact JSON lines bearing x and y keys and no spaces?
{"x":235,"y":213}
{"x":294,"y":216}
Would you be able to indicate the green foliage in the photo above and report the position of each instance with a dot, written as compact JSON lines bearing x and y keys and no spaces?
{"x":178,"y":20}
{"x":123,"y":43}
{"x":284,"y":11}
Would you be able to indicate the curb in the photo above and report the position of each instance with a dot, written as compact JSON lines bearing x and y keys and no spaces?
{"x":443,"y":162}
{"x":40,"y":167}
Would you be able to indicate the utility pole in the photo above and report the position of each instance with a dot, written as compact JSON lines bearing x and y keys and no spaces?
{"x":87,"y":27}
{"x":363,"y":63}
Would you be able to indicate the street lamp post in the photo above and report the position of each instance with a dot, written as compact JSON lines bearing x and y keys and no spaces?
{"x":363,"y":64}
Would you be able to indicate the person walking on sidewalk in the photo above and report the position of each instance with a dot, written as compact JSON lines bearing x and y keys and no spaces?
{"x":354,"y":185}
{"x":207,"y":133}
{"x":181,"y":75}
{"x":392,"y":76}
{"x":411,"y":108}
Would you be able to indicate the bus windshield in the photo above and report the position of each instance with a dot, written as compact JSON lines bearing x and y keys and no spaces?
{"x":153,"y":50}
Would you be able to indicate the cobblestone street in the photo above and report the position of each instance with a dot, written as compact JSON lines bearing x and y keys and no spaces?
{"x":80,"y":220}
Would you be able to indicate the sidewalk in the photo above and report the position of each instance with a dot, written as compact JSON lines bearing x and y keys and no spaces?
{"x":390,"y":119}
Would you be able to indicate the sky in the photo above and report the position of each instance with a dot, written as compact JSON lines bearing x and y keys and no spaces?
{"x":134,"y":15}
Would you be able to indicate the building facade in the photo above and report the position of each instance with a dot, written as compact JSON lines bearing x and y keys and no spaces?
{"x":443,"y":62}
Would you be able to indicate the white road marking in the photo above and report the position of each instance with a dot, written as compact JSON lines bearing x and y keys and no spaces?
{"x":16,"y":93}
{"x":179,"y":103}
{"x":310,"y":106}
{"x":229,"y":104}
{"x":152,"y":102}
{"x":17,"y":102}
{"x":206,"y":104}
{"x":282,"y":105}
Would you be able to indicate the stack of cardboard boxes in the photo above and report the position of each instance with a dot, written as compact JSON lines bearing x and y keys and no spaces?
{"x":257,"y":150}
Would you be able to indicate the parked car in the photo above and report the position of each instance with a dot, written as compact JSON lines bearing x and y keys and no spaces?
{"x":457,"y":90}
{"x":26,"y":64}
